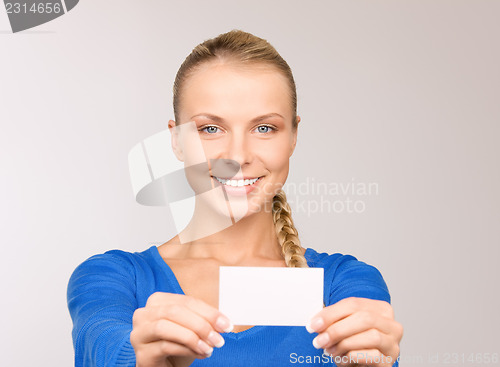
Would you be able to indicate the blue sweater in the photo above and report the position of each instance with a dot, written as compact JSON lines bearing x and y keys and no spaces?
{"x":106,"y":289}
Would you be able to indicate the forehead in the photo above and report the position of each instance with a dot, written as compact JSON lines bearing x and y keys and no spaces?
{"x":234,"y":90}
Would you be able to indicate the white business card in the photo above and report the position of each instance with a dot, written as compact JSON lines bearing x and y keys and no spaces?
{"x":270,"y":295}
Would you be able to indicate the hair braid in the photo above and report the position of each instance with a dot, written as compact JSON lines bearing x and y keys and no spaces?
{"x":287,"y":233}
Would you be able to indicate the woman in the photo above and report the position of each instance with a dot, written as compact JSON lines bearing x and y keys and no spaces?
{"x":159,"y":307}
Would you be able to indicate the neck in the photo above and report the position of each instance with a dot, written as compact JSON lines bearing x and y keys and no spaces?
{"x":251,"y":237}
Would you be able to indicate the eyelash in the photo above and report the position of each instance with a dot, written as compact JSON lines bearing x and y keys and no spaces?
{"x":272,"y":128}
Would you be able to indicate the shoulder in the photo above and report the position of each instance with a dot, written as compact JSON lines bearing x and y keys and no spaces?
{"x":112,"y":264}
{"x":112,"y":258}
{"x":330,"y":262}
{"x":346,"y":276}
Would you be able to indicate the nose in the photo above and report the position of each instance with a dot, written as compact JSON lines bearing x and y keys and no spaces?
{"x":234,"y":153}
{"x":238,"y":148}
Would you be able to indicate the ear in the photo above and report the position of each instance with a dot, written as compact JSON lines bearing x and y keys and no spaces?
{"x":294,"y":141}
{"x":176,"y":146}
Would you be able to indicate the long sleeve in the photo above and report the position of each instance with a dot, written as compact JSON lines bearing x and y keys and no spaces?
{"x":101,"y":301}
{"x":354,"y":278}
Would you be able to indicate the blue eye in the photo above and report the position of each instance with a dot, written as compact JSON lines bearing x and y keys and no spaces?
{"x":265,"y":128}
{"x":209,"y":129}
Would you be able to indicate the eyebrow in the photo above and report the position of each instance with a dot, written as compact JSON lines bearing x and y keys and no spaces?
{"x":221,"y":120}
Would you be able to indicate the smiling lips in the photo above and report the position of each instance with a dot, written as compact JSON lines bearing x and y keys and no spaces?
{"x":236,"y":183}
{"x":240,"y":187}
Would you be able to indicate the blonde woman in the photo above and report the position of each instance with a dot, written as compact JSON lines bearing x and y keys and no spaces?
{"x":158,"y":307}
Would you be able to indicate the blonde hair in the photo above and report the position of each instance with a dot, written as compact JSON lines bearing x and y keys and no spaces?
{"x":245,"y":49}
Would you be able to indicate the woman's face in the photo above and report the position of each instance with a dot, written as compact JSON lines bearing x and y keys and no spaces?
{"x":244,"y":120}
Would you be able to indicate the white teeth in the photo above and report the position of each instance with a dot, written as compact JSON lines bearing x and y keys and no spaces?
{"x":236,"y":183}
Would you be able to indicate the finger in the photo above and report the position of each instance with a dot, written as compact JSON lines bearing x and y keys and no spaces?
{"x":217,"y":319}
{"x":191,"y":320}
{"x":167,"y":330}
{"x":343,"y":308}
{"x":360,"y":358}
{"x":160,"y":349}
{"x":352,"y":325}
{"x":370,"y":339}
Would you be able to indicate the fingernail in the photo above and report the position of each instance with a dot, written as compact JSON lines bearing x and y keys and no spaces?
{"x":204,"y":347}
{"x":321,"y":340}
{"x":315,"y":324}
{"x":224,"y":324}
{"x":216,"y":339}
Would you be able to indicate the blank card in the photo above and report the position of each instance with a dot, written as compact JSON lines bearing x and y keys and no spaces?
{"x":270,"y":295}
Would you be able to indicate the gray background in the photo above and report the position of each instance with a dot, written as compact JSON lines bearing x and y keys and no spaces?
{"x":401,"y":93}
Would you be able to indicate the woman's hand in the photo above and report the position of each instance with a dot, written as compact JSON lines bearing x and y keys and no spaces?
{"x":358,"y":331}
{"x":173,"y":329}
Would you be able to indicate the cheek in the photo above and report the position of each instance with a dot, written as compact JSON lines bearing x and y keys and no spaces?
{"x":192,"y":147}
{"x":213,"y":149}
{"x":276,"y":155}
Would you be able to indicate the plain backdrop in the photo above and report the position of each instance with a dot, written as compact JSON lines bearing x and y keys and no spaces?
{"x":400,"y":94}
